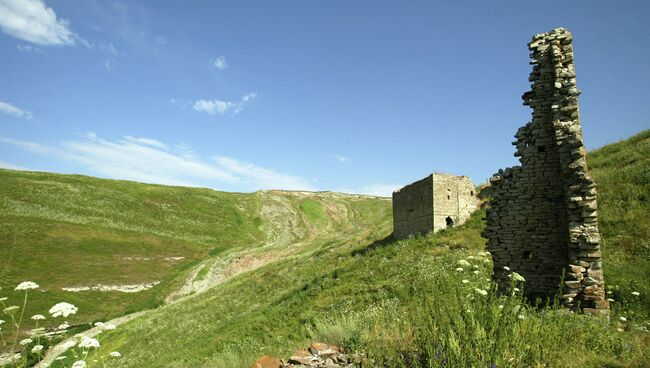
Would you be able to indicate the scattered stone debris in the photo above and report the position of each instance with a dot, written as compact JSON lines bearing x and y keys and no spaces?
{"x":542,"y":221}
{"x":317,"y":355}
{"x":134,"y":288}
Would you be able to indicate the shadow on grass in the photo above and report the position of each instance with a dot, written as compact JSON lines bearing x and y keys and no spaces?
{"x":374,"y":246}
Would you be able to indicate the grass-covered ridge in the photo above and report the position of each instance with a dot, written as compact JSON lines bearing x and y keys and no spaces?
{"x":323,"y":267}
{"x":71,"y":231}
{"x":407,"y":304}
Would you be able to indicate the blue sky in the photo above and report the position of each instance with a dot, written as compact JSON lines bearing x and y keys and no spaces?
{"x":357,"y":96}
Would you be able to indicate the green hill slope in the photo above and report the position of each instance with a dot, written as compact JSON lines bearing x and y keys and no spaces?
{"x":75,"y":232}
{"x":322,"y":266}
{"x":407,"y":303}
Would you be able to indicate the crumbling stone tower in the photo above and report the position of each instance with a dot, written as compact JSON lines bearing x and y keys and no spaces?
{"x":542,"y":221}
{"x":433,"y":203}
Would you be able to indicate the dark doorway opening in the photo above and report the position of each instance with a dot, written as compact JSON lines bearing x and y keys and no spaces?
{"x":449,"y":221}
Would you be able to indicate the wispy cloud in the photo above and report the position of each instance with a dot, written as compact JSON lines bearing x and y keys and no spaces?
{"x":151,"y":161}
{"x":27,"y":146}
{"x":109,"y":65}
{"x":7,"y":165}
{"x":219,"y":63}
{"x":221,"y":107}
{"x":30,"y":48}
{"x":10,"y":109}
{"x":340,"y":158}
{"x":35,"y":22}
{"x":378,"y":190}
{"x":146,"y":141}
{"x":259,"y":177}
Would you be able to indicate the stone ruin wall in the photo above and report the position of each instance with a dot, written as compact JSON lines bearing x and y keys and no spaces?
{"x":413,"y":208}
{"x":426,"y":204}
{"x":453,"y":197}
{"x":542,"y":221}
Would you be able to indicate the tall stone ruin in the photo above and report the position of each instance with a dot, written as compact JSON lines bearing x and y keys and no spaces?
{"x":433,"y":203}
{"x":542,"y":221}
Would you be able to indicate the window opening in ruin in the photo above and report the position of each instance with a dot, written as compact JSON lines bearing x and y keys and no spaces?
{"x":541,"y":148}
{"x":471,"y":192}
{"x":449,"y":221}
{"x":527,"y":255}
{"x":448,"y":196}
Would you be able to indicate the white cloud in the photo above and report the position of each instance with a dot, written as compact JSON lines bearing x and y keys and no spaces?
{"x":378,"y":190}
{"x":340,"y":158}
{"x":33,"y":21}
{"x":146,"y":141}
{"x":27,"y":146}
{"x":220,"y":63}
{"x":6,"y":165}
{"x":30,"y":48}
{"x":151,"y":161}
{"x":109,"y":65}
{"x":10,"y":109}
{"x":262,"y":178}
{"x":221,"y":107}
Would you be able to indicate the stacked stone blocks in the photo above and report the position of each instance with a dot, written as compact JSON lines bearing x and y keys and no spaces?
{"x":542,"y":221}
{"x":433,"y":203}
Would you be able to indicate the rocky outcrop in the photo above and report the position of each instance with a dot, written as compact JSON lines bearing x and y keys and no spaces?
{"x":317,"y":355}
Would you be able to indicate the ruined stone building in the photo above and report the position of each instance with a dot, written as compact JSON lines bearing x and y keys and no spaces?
{"x":433,"y":203}
{"x":542,"y":221}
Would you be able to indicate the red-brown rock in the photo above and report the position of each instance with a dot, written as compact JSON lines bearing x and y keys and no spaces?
{"x":267,"y":362}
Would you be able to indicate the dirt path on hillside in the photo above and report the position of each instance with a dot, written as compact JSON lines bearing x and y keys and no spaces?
{"x":287,"y":232}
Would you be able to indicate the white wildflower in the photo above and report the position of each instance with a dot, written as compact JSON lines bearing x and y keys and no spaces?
{"x":620,"y":330}
{"x":38,"y":317}
{"x":476,"y":272}
{"x":114,"y":354}
{"x":465,"y":281}
{"x":610,"y":300}
{"x":500,"y":306}
{"x":63,"y":357}
{"x":16,"y":357}
{"x":481,"y":291}
{"x":1,"y":321}
{"x":26,"y":342}
{"x":26,"y":285}
{"x":63,"y":326}
{"x":459,"y":269}
{"x":3,"y":299}
{"x":506,"y":268}
{"x":474,"y":266}
{"x":517,"y":277}
{"x":79,"y":364}
{"x":88,"y":342}
{"x":623,"y":319}
{"x":516,"y":289}
{"x":10,"y":309}
{"x":464,"y":263}
{"x":68,"y":344}
{"x":63,"y":309}
{"x":636,"y":293}
{"x":37,"y":349}
{"x":521,"y":316}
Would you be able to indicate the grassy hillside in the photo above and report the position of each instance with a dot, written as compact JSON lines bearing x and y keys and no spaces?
{"x":622,"y":172}
{"x":69,"y":231}
{"x":406,"y":303}
{"x":323,"y":267}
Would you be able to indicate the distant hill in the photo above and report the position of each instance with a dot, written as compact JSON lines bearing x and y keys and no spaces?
{"x":78,"y":232}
